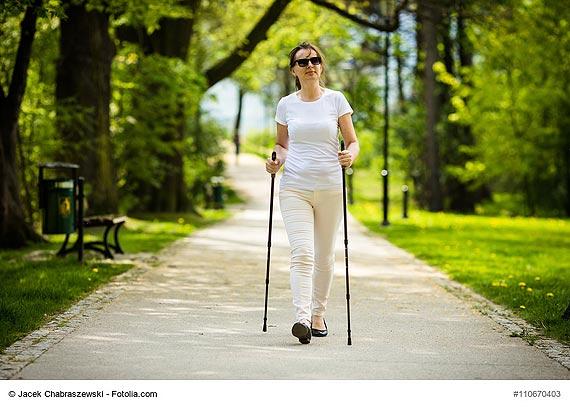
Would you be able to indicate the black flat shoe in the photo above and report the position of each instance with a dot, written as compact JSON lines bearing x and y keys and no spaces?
{"x":301,"y":331}
{"x":321,"y":333}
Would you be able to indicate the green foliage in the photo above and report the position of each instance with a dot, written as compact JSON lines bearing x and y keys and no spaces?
{"x":259,"y":143}
{"x":142,"y":13}
{"x":223,"y":25}
{"x":147,"y":91}
{"x":206,"y":149}
{"x":48,"y":8}
{"x":9,"y":36}
{"x":517,"y":102}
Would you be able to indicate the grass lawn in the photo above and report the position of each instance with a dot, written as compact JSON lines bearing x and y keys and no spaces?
{"x":35,"y":285}
{"x":521,"y":263}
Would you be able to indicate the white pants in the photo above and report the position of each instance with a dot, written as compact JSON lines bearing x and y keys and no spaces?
{"x":311,"y":220}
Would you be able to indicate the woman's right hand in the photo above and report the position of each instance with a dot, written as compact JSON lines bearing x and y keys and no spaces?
{"x":272,"y":166}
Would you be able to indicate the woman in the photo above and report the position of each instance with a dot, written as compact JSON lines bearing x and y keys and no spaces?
{"x":310,"y":194}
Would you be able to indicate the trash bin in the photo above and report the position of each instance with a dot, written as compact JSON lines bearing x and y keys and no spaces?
{"x":218,"y":191}
{"x":57,"y":200}
{"x":59,"y":210}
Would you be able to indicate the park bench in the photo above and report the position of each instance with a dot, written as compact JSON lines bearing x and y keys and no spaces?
{"x":62,"y":200}
{"x":110,"y":224}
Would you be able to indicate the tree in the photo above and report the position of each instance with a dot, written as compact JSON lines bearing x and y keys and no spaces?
{"x":518,"y":106}
{"x":172,"y":38}
{"x":462,"y":194}
{"x":14,"y":230}
{"x":429,"y":16}
{"x":83,"y":92}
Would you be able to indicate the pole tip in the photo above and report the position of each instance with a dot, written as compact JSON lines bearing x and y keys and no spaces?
{"x":349,"y":342}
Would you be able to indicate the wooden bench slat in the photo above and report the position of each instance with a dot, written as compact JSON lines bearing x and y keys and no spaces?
{"x":103,"y":220}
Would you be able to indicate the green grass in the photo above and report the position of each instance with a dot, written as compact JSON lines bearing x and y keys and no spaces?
{"x":35,"y":285}
{"x":521,"y":263}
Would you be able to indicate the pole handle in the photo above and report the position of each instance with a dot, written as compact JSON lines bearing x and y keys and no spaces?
{"x":273,"y":158}
{"x":342,"y":149}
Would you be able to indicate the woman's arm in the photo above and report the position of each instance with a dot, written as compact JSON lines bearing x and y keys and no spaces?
{"x":347,"y":157}
{"x":281,"y":148}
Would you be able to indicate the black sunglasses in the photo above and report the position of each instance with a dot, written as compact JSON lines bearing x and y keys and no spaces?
{"x":304,"y":62}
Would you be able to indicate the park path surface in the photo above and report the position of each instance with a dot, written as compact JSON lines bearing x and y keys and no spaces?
{"x":197,"y":313}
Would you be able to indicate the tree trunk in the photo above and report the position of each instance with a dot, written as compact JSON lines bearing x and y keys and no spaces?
{"x":83,"y":93}
{"x":14,"y":231}
{"x":430,"y":15}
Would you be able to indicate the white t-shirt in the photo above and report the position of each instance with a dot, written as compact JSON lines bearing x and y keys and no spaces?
{"x":312,"y":159}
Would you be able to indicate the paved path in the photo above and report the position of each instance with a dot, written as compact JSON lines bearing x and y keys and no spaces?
{"x":198,"y":314}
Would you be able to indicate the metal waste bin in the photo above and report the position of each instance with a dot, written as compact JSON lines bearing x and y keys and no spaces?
{"x":218,"y":191}
{"x":58,"y":199}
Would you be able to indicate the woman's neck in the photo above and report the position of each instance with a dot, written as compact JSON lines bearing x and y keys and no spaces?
{"x":310,"y":92}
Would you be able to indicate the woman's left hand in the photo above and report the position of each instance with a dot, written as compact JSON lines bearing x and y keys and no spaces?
{"x":345,"y":158}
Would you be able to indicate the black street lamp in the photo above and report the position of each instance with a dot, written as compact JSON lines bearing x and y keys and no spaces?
{"x":388,"y":11}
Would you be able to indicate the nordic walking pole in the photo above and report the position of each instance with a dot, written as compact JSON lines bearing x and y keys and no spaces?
{"x":273,"y":158}
{"x":346,"y":246}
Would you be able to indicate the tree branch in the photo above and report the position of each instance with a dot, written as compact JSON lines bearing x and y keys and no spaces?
{"x":385,"y":26}
{"x":226,"y":67}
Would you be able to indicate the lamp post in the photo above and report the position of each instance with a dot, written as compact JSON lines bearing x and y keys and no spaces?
{"x":387,"y":9}
{"x":385,"y":172}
